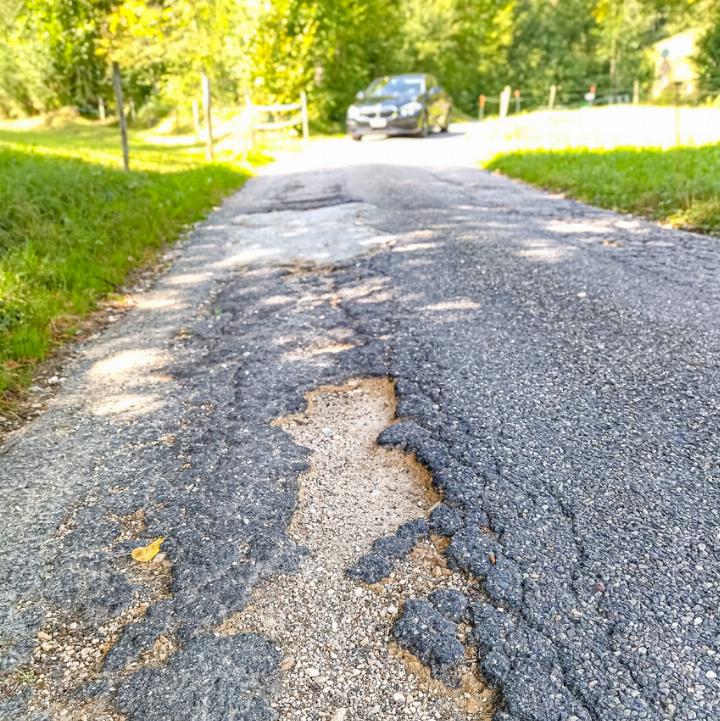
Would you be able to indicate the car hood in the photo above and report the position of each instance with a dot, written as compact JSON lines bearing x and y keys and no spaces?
{"x":386,"y":100}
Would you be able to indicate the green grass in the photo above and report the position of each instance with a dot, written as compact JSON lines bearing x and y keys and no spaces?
{"x":680,"y":186}
{"x":72,"y":225}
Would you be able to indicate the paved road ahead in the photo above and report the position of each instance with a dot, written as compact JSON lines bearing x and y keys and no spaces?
{"x":557,"y":370}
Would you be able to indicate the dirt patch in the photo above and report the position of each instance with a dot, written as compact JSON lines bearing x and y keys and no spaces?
{"x":340,"y":662}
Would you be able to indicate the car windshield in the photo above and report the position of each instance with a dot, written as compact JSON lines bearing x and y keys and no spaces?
{"x":400,"y":85}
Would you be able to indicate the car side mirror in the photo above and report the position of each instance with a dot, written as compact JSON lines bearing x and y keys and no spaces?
{"x":360,"y":95}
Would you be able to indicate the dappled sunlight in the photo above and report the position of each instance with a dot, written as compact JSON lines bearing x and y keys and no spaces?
{"x":247,"y":256}
{"x":413,"y":247}
{"x":275,"y":300}
{"x":126,"y":365}
{"x":312,"y":352}
{"x":376,"y":297}
{"x":369,"y":289}
{"x":188,"y":278}
{"x":578,"y":226}
{"x":159,"y":302}
{"x":459,"y":304}
{"x":129,"y":405}
{"x":545,"y":251}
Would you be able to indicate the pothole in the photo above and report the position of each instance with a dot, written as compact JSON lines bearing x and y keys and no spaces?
{"x":340,"y":660}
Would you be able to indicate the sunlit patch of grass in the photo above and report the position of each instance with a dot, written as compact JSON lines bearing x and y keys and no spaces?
{"x":680,"y":185}
{"x":73,"y":224}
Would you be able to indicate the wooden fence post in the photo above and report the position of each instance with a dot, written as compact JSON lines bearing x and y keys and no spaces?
{"x":636,"y":92}
{"x":117,"y":87}
{"x":481,"y":107}
{"x":251,"y":117}
{"x":207,"y":109}
{"x":553,"y":95}
{"x":304,"y":116}
{"x":101,"y":109}
{"x":505,"y":101}
{"x":516,"y":94}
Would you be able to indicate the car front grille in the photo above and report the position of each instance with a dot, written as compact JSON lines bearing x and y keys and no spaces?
{"x":371,"y":113}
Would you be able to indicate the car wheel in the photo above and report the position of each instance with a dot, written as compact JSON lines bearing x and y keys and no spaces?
{"x":446,"y":125}
{"x":423,"y":131}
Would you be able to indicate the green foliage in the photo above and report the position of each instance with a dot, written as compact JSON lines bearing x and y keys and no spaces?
{"x":708,"y":56}
{"x":680,"y":185}
{"x":57,"y":52}
{"x":72,"y":226}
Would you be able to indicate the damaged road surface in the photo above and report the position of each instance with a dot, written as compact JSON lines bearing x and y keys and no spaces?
{"x":421,"y":443}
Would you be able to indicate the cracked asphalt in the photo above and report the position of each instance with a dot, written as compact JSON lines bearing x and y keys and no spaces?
{"x":556,"y":369}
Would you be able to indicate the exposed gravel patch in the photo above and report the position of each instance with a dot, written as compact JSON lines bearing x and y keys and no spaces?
{"x":333,"y":631}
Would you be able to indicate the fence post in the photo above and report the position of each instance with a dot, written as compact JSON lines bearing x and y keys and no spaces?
{"x":122,"y":120}
{"x":517,"y":100}
{"x":101,"y":109}
{"x":481,"y":107}
{"x":304,"y":116}
{"x":207,"y":108}
{"x":505,"y":101}
{"x":251,"y":116}
{"x":551,"y":99}
{"x":636,"y":92}
{"x":678,"y":136}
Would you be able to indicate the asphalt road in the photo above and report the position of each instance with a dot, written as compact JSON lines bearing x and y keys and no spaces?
{"x":556,"y":369}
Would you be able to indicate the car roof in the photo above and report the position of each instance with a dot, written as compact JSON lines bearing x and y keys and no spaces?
{"x":404,"y":75}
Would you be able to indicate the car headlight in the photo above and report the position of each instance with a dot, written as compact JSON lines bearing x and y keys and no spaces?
{"x":353,"y":112}
{"x":413,"y":108}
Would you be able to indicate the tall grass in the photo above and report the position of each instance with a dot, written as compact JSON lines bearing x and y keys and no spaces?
{"x":680,"y":186}
{"x":72,"y":225}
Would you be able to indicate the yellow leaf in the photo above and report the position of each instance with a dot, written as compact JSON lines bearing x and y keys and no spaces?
{"x":147,"y":553}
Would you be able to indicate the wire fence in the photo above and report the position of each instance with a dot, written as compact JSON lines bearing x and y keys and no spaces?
{"x":661,"y":90}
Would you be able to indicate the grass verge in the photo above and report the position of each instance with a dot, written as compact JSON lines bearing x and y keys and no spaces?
{"x":680,"y":186}
{"x":72,"y":225}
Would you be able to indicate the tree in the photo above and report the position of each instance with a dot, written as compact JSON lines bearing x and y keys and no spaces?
{"x":707,"y":59}
{"x":70,"y":30}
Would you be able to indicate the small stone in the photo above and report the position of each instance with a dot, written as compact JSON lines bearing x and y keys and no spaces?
{"x":339,"y":714}
{"x":398,"y":698}
{"x":472,"y":705}
{"x":43,"y":636}
{"x":287,"y":664}
{"x":711,"y":675}
{"x":312,"y":672}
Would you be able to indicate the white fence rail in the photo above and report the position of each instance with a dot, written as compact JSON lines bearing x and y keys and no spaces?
{"x":300,"y":119}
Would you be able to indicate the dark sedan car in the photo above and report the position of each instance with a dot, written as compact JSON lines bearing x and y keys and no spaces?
{"x":412,"y":104}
